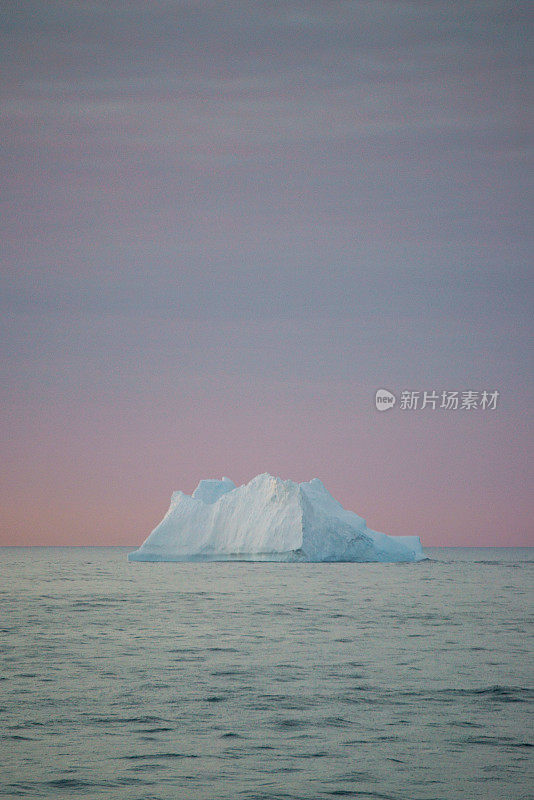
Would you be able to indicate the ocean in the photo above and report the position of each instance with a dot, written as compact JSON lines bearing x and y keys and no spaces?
{"x":258,"y":681}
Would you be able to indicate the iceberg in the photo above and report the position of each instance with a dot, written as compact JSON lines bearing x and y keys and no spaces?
{"x":268,"y":519}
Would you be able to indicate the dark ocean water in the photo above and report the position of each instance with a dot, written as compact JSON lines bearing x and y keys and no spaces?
{"x":139,"y":681}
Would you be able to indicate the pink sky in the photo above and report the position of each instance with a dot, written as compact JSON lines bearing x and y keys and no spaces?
{"x":225,"y":225}
{"x":99,"y":472}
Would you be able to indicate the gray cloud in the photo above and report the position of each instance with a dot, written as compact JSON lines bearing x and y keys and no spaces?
{"x":269,"y":160}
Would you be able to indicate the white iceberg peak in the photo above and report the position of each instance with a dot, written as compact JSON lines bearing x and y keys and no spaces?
{"x":210,"y":490}
{"x":268,"y":519}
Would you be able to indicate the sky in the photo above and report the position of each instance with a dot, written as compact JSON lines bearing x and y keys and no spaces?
{"x":225,"y":225}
